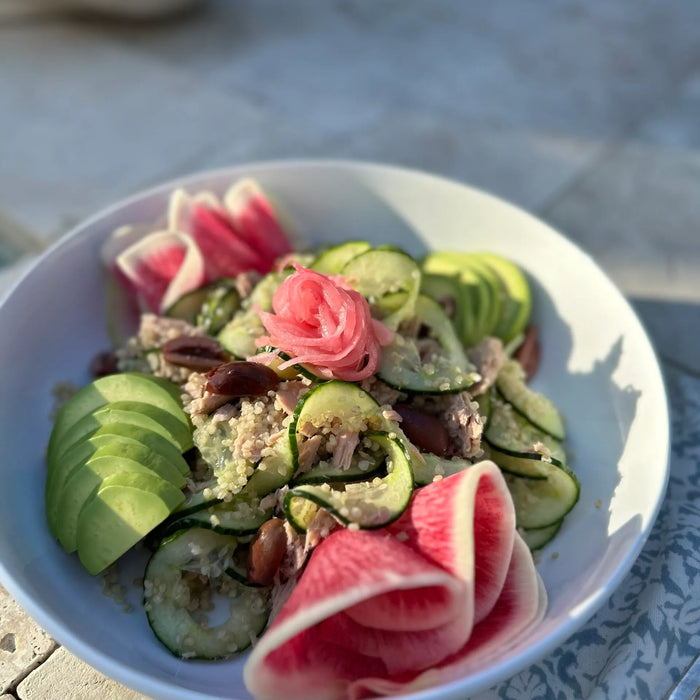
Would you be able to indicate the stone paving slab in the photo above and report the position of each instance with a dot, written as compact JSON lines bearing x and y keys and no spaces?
{"x":93,"y":121}
{"x":677,"y":123}
{"x":587,"y":69}
{"x":23,"y":644}
{"x":637,"y":212}
{"x":76,"y":680}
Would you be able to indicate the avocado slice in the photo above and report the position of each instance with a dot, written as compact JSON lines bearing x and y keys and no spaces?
{"x":111,"y":437}
{"x":517,"y":297}
{"x":479,"y":296}
{"x":109,"y":433}
{"x":128,"y":386}
{"x":126,"y":507}
{"x":86,"y":480}
{"x":176,"y":429}
{"x":88,"y":425}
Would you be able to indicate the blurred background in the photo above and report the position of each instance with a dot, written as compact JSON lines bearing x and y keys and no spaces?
{"x":586,"y":113}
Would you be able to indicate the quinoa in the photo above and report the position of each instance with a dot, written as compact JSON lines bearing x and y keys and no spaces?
{"x":143,"y":352}
{"x":237,"y":437}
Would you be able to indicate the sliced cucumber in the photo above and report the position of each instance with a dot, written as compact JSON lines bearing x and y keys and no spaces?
{"x":272,"y":471}
{"x":334,"y":403}
{"x":485,"y":402}
{"x":527,"y":464}
{"x":379,"y":272}
{"x":325,"y":471}
{"x":449,"y":372}
{"x":368,"y":505}
{"x":537,"y":538}
{"x":239,"y":334}
{"x":331,"y":260}
{"x":510,"y":432}
{"x":543,"y":502}
{"x":300,"y":512}
{"x":218,"y":308}
{"x":166,"y":597}
{"x":538,"y":409}
{"x":431,"y":466}
{"x":193,"y":503}
{"x":293,"y":372}
{"x":189,"y":305}
{"x":241,"y":516}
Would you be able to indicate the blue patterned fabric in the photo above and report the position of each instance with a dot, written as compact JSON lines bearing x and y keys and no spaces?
{"x":638,"y":645}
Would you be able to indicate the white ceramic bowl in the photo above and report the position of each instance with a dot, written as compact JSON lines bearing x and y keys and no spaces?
{"x":598,"y":366}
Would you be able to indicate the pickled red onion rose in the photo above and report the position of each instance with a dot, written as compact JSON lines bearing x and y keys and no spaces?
{"x":322,"y":323}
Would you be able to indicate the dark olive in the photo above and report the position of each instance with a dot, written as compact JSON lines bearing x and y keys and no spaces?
{"x":423,"y":429}
{"x":528,"y":354}
{"x":199,"y":353}
{"x":104,"y":363}
{"x":266,"y":552}
{"x":242,"y":379}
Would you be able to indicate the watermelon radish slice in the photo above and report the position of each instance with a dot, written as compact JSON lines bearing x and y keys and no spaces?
{"x":294,"y":657}
{"x":520,"y":607}
{"x":475,"y":549}
{"x":203,"y":218}
{"x":246,"y":236}
{"x":351,"y":630}
{"x":256,"y":220}
{"x":162,"y":267}
{"x":121,"y":239}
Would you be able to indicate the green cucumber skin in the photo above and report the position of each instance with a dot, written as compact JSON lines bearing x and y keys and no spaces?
{"x":544,"y":508}
{"x":453,"y":373}
{"x":164,"y":616}
{"x":338,"y":391}
{"x":537,"y":538}
{"x":527,"y":464}
{"x":535,"y":407}
{"x":332,"y":260}
{"x":401,"y":479}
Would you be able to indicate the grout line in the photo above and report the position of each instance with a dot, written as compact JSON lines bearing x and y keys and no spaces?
{"x":32,"y":667}
{"x":608,"y":152}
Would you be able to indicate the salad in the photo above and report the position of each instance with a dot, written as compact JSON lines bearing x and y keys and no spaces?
{"x":341,"y":444}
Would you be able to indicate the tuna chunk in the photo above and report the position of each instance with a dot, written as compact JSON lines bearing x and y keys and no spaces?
{"x":488,"y":356}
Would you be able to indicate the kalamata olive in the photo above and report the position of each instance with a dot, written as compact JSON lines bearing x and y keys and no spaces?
{"x":528,"y":354}
{"x":199,"y":353}
{"x":266,"y":552}
{"x":423,"y":429}
{"x":104,"y":363}
{"x":242,"y":379}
